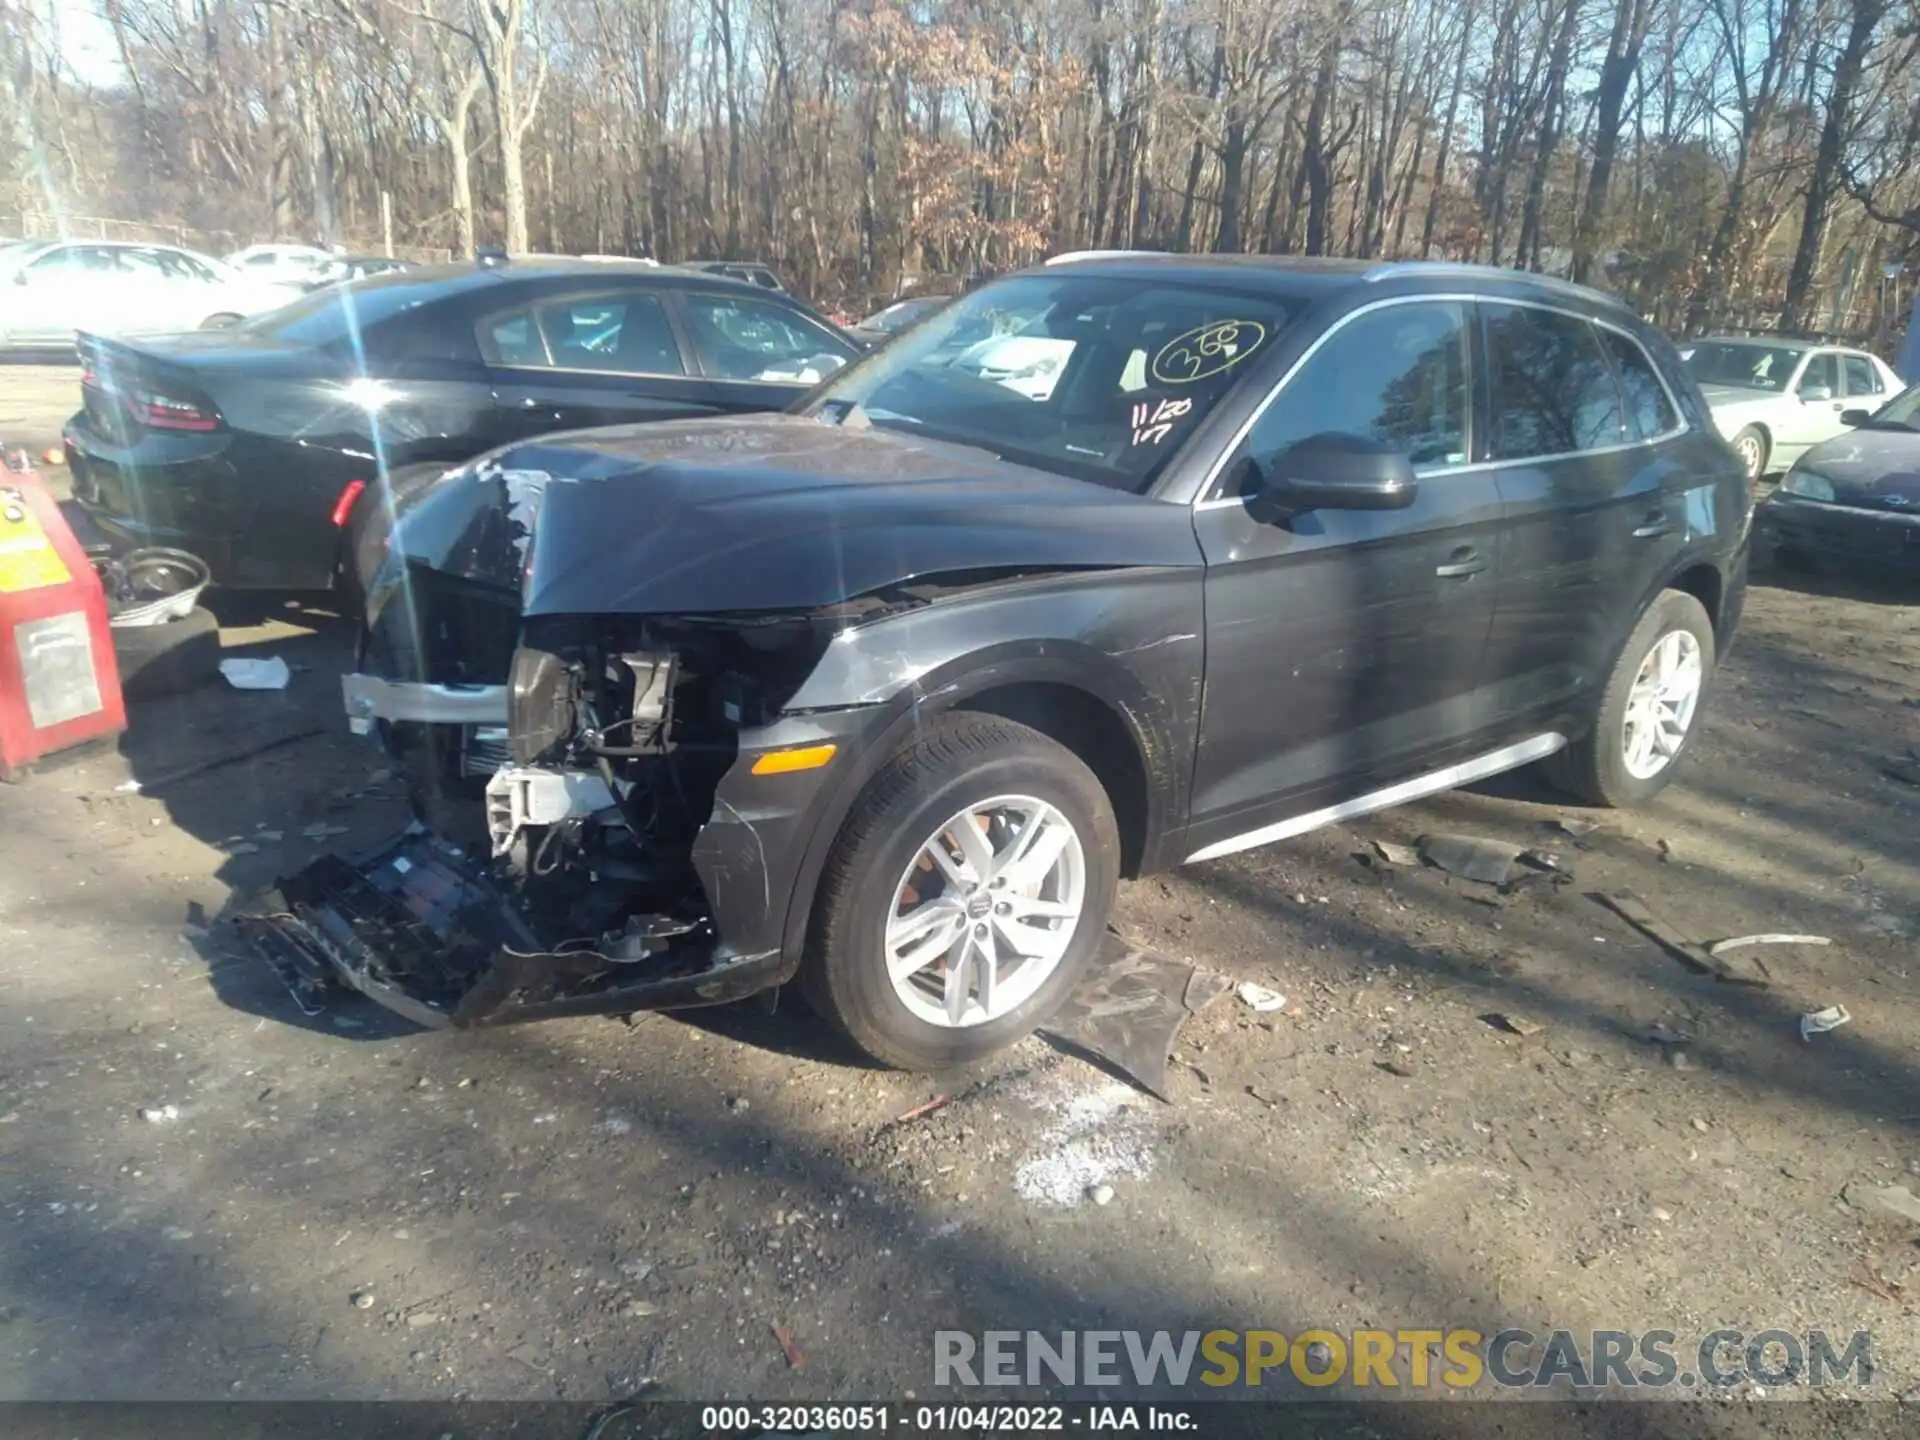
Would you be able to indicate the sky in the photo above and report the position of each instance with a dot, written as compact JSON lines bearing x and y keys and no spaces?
{"x":86,"y":42}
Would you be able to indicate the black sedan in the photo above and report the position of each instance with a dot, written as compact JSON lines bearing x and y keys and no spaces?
{"x":1854,"y":498}
{"x":266,"y":448}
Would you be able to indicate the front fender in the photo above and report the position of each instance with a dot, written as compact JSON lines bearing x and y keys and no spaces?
{"x":1130,"y":639}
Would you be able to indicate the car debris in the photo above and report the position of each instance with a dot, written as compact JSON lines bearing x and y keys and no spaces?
{"x":1130,"y":1008}
{"x":1734,"y":969}
{"x":1894,"y":1200}
{"x":1405,"y":856}
{"x":246,"y":673}
{"x":1819,"y":1022}
{"x":1471,"y":857}
{"x":1513,"y":1024}
{"x":159,"y":1114}
{"x":1259,"y":997}
{"x":1721,"y":947}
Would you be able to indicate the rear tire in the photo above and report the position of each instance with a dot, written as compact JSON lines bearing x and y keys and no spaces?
{"x":168,"y":658}
{"x":1015,"y":787}
{"x":1606,"y":766}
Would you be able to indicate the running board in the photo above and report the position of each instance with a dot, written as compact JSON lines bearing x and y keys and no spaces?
{"x":1510,"y":757}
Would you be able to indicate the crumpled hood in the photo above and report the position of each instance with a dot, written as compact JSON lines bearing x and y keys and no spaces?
{"x":1873,"y":468}
{"x":768,"y":512}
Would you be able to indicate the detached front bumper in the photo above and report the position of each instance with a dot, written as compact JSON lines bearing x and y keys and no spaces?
{"x":421,"y":928}
{"x":429,"y":929}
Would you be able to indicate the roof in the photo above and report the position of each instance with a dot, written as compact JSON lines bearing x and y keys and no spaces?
{"x":1323,"y":275}
{"x":1772,"y":342}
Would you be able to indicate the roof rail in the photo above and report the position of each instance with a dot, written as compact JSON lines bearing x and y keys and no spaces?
{"x":1065,"y":256}
{"x":1388,"y":269}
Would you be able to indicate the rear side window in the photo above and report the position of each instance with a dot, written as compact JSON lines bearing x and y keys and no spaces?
{"x":1862,"y":377}
{"x":1649,"y":408}
{"x":1397,"y":375}
{"x":1552,"y":390}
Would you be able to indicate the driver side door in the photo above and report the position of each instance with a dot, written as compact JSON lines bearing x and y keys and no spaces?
{"x":1346,"y":648}
{"x":1812,"y":413}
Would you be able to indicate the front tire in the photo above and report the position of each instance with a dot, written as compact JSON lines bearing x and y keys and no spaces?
{"x":1752,"y":448}
{"x":965,"y":896}
{"x":1649,"y":711}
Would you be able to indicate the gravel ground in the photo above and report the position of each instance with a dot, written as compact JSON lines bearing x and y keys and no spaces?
{"x":1491,"y":1115}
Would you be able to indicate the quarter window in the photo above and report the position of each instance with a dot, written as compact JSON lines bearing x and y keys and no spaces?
{"x":1553,"y":393}
{"x":1396,"y":375}
{"x":1649,"y":407}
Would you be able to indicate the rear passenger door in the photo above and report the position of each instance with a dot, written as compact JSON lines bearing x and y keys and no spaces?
{"x":586,"y":359}
{"x":758,"y":353}
{"x":1591,"y":501}
{"x":1344,"y":647}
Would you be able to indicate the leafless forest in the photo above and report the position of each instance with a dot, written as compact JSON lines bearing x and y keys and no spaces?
{"x":1747,"y":162}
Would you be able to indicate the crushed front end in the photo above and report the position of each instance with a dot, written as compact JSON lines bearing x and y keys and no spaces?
{"x":609,"y":810}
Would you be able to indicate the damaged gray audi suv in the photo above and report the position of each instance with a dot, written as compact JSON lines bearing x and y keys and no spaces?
{"x":1112,"y":565}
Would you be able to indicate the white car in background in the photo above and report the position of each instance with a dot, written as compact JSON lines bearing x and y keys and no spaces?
{"x":51,"y":289}
{"x":1774,"y":400}
{"x":281,"y":264}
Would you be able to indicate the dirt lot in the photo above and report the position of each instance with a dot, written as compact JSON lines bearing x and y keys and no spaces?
{"x":575,"y":1208}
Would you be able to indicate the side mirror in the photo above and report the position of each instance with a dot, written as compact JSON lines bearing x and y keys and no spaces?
{"x":1338,"y":472}
{"x":1855,"y":417}
{"x":1811,"y":394}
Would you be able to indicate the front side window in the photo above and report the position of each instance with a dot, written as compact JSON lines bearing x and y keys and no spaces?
{"x":1397,"y":375}
{"x":746,"y":339}
{"x":75,"y":257}
{"x":1101,"y":378}
{"x":1822,"y":372}
{"x":1552,"y":390}
{"x":1649,"y":407}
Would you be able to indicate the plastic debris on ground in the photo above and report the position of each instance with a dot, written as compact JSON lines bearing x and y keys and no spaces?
{"x":1514,"y":1024}
{"x":1819,"y":1022}
{"x":244,"y":673}
{"x":1403,"y":855}
{"x":1259,"y":997}
{"x":1887,"y":1199}
{"x":159,"y":1114}
{"x":1720,"y":947}
{"x":1471,"y":857}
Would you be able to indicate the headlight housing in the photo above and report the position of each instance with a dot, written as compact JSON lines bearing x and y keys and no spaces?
{"x":1807,"y":485}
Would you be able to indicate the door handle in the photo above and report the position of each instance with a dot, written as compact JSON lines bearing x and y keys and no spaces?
{"x":1464,"y":562}
{"x":1656,"y":524}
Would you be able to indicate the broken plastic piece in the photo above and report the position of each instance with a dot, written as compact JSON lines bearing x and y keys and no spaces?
{"x":248,"y":674}
{"x":1260,"y":997}
{"x":1471,"y":857}
{"x":523,"y":795}
{"x":1396,"y":854}
{"x":1818,"y":1022}
{"x":1130,"y":1007}
{"x":1720,"y":947}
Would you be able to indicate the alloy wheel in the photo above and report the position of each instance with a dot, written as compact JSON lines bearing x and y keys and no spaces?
{"x":985,"y":911}
{"x":1662,"y":704}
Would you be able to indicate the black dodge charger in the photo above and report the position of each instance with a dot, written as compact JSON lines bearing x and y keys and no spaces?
{"x":1108,"y":567}
{"x":265,"y":448}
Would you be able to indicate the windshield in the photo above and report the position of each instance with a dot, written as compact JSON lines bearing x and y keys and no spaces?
{"x":1750,"y":367}
{"x":1097,"y":377}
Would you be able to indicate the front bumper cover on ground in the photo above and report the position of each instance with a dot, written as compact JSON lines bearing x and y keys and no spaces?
{"x":421,"y":928}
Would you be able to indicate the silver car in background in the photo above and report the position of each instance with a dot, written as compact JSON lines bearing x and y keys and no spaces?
{"x":1774,"y":399}
{"x":51,"y":289}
